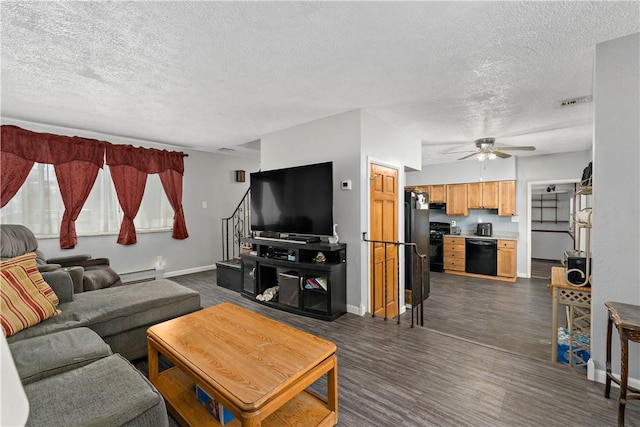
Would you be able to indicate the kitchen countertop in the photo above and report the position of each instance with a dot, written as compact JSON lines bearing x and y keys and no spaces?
{"x":496,"y":236}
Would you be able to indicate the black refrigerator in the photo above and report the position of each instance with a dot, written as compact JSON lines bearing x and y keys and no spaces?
{"x":416,"y":230}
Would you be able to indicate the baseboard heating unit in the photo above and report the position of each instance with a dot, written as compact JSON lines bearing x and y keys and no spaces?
{"x":139,"y":276}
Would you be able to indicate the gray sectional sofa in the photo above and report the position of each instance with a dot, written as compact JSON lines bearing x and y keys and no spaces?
{"x":75,"y":366}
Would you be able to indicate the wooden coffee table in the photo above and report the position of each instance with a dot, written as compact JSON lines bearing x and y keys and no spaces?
{"x":257,"y":368}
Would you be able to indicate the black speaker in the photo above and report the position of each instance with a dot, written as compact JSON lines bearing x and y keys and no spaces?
{"x":576,"y":260}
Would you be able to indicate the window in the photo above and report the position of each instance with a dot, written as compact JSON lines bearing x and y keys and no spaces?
{"x":38,"y":205}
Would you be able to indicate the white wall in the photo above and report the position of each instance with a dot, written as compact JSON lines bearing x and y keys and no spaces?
{"x":385,"y":145}
{"x":551,"y":167}
{"x":337,"y":139}
{"x":208,"y":177}
{"x":616,"y":194}
{"x":464,"y":171}
{"x":350,"y":140}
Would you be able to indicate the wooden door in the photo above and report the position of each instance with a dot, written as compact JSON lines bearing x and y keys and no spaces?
{"x":384,"y":226}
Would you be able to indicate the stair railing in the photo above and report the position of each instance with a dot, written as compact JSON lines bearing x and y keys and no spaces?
{"x":235,"y":227}
{"x":417,"y":312}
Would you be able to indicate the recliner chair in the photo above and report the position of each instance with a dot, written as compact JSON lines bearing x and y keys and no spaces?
{"x":88,"y":273}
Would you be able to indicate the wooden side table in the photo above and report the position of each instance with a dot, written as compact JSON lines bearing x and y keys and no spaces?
{"x":578,"y":301}
{"x":626,"y":317}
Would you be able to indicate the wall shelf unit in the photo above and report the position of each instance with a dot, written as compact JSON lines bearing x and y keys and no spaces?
{"x":549,"y":208}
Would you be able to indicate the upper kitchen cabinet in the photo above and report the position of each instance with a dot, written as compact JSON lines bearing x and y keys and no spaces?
{"x":506,"y":198}
{"x":482,"y":195}
{"x":457,"y":200}
{"x":437,"y":193}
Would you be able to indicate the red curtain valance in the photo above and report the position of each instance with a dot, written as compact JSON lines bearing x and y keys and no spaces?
{"x":77,"y":161}
{"x":148,"y":160}
{"x":51,"y":149}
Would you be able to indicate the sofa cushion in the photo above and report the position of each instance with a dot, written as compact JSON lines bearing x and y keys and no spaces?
{"x":114,"y":310}
{"x":47,"y":355}
{"x":98,"y":277}
{"x":107,"y":392}
{"x":28,"y":262}
{"x":16,"y":240}
{"x":21,"y":302}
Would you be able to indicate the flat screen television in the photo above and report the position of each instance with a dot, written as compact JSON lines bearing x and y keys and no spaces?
{"x":297,"y":200}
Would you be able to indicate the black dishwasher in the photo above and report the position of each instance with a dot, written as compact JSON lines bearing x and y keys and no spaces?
{"x":481,"y":256}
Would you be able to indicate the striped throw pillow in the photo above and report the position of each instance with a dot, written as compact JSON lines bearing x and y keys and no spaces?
{"x":28,"y":262}
{"x":21,"y":303}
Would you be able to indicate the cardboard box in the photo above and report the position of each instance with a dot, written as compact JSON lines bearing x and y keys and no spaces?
{"x":214,"y":407}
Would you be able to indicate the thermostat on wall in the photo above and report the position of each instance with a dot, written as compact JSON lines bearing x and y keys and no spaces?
{"x":346,"y":184}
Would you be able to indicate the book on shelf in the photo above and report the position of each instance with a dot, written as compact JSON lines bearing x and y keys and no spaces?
{"x":316,"y":283}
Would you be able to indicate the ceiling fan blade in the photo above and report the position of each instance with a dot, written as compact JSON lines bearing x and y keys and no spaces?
{"x":523,"y":148}
{"x":466,"y":157}
{"x":460,"y":152}
{"x":501,"y":154}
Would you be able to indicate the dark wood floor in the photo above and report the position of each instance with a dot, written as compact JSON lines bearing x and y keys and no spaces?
{"x":481,"y":360}
{"x":541,"y":268}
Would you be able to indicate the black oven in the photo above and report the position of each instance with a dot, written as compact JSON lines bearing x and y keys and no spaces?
{"x":437,"y":231}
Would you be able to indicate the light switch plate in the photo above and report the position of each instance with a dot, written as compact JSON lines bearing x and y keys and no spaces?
{"x":515,"y":218}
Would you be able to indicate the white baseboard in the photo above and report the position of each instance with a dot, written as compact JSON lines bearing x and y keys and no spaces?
{"x":357,"y":310}
{"x":361,"y":311}
{"x":190,"y":270}
{"x":601,"y":377}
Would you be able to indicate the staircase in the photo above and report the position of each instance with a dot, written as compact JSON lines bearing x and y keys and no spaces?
{"x":234,"y":228}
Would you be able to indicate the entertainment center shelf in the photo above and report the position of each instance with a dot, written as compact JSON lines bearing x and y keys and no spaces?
{"x":306,"y":286}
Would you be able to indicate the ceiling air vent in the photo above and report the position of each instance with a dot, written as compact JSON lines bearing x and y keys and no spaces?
{"x":574,"y":101}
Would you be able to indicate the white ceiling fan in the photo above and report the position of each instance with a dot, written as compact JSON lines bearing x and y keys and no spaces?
{"x":487,"y":150}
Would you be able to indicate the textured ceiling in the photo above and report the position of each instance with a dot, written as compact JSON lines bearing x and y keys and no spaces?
{"x":207,"y":75}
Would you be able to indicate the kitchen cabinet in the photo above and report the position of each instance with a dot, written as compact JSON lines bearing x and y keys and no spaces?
{"x":437,"y":193}
{"x":507,"y":258}
{"x":482,"y":195}
{"x":506,"y":198}
{"x":457,"y":200}
{"x":454,"y":254}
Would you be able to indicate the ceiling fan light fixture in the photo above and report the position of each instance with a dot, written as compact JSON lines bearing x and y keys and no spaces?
{"x":482,"y":156}
{"x":492,"y":156}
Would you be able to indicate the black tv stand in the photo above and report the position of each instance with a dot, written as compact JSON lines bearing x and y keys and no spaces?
{"x":306,"y":287}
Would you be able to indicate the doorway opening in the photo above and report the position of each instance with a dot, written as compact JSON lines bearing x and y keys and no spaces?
{"x":550,"y":227}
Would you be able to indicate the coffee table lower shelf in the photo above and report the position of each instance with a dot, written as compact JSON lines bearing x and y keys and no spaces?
{"x":305,"y":409}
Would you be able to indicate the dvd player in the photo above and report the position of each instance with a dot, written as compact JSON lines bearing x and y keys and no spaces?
{"x":305,"y":239}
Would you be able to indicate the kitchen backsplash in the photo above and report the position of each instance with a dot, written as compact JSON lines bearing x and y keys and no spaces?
{"x":467,"y":224}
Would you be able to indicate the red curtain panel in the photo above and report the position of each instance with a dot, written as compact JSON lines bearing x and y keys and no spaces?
{"x":14,"y":171}
{"x":129,"y":183}
{"x":172,"y":184}
{"x":75,"y":180}
{"x":76,"y":162}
